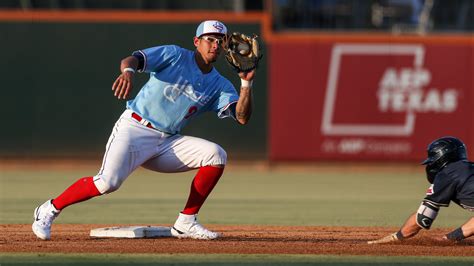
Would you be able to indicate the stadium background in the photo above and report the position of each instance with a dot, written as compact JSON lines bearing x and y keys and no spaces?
{"x":60,"y":58}
{"x":63,"y":55}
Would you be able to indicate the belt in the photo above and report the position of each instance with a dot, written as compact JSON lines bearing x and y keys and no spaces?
{"x":139,"y":119}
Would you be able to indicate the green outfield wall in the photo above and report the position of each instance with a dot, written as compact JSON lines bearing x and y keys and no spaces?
{"x":56,"y":82}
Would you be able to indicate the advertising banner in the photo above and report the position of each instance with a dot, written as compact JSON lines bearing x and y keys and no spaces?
{"x":376,"y":101}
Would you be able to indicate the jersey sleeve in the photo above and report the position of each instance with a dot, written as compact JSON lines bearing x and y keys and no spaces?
{"x":225,"y":103}
{"x":441,"y":192}
{"x":157,"y":58}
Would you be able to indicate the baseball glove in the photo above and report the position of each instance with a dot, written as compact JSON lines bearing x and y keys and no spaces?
{"x":242,"y":52}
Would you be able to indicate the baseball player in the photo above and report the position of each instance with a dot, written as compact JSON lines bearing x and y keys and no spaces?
{"x":183,"y":84}
{"x":452,"y":179}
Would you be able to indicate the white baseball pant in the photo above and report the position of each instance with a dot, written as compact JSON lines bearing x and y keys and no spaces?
{"x":132,"y":144}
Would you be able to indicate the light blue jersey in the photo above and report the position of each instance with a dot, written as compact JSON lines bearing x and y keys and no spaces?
{"x":178,"y":91}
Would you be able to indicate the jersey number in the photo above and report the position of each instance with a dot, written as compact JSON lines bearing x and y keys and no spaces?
{"x":191,"y":111}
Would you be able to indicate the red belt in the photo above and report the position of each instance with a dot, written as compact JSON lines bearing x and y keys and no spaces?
{"x":139,"y":119}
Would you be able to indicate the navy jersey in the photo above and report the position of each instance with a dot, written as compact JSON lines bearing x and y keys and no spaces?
{"x":455,"y":182}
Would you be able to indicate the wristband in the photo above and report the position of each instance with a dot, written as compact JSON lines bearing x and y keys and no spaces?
{"x":456,"y":235}
{"x":128,"y":69}
{"x":399,"y":235}
{"x":246,"y":83}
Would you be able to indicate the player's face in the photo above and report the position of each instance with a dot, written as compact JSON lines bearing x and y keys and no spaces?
{"x":209,"y":46}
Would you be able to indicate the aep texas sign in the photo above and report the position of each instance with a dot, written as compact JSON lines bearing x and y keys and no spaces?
{"x":374,"y":96}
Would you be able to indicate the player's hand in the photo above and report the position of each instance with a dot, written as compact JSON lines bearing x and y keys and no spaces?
{"x":123,"y":85}
{"x":247,"y":75}
{"x":386,"y":239}
{"x":445,"y":239}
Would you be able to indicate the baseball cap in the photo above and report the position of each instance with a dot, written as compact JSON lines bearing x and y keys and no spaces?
{"x":211,"y":27}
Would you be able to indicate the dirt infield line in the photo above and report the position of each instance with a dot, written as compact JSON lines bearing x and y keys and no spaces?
{"x":247,"y":239}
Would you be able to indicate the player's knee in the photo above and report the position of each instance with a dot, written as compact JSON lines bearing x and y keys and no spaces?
{"x":222,"y":154}
{"x":107,"y":184}
{"x":217,"y":156}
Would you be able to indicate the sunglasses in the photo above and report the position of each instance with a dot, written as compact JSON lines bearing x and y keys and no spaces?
{"x":213,"y":39}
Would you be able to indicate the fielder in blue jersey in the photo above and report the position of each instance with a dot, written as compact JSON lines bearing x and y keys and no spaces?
{"x":182,"y":85}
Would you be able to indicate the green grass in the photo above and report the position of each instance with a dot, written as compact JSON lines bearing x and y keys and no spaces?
{"x":221,"y":259}
{"x":241,"y":197}
{"x":335,"y":198}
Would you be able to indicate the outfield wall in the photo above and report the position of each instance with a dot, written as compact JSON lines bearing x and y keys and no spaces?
{"x":58,"y":69}
{"x":326,"y":96}
{"x":368,"y":97}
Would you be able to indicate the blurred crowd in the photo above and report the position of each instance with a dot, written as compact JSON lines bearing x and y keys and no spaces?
{"x":419,"y":16}
{"x":228,"y":5}
{"x":397,"y":16}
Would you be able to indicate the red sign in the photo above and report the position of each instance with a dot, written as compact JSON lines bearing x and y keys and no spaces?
{"x":368,"y":101}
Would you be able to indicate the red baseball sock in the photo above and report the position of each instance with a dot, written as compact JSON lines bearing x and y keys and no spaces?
{"x":83,"y":189}
{"x":204,"y":181}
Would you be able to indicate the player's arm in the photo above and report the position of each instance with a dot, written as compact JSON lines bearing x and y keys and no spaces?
{"x":410,"y":228}
{"x":124,"y":83}
{"x":243,"y":109}
{"x":465,"y":231}
{"x":422,"y":219}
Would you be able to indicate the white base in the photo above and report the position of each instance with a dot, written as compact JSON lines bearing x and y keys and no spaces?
{"x":132,"y":232}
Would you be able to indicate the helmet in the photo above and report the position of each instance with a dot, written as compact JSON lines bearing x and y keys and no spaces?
{"x":441,"y":152}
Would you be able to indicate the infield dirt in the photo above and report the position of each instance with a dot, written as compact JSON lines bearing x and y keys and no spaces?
{"x":248,"y":239}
